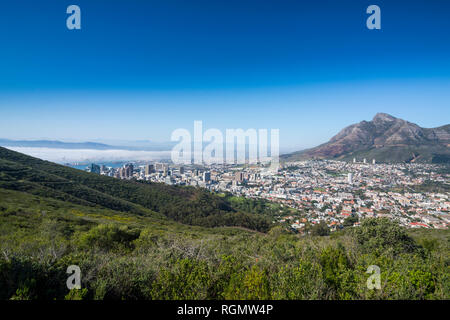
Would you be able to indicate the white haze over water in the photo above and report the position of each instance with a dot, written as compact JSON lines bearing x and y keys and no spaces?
{"x":90,"y":155}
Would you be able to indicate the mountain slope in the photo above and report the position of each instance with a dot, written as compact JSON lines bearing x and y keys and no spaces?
{"x":188,"y":205}
{"x":385,"y":139}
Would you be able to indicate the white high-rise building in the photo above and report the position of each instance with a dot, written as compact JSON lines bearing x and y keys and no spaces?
{"x":350,"y":178}
{"x":364,"y":160}
{"x":354,"y":160}
{"x":373,"y":161}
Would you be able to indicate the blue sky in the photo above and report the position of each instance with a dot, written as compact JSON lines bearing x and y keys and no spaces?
{"x":141,"y":69}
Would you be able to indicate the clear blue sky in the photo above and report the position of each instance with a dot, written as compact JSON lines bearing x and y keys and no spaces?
{"x":140,"y":69}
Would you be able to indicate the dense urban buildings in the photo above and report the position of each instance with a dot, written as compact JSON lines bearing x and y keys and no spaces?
{"x":415,"y":195}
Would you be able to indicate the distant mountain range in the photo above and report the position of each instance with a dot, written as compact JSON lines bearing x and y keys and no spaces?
{"x":137,"y":146}
{"x":385,"y":139}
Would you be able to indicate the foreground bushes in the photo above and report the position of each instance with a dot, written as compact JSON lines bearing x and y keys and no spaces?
{"x":127,"y":263}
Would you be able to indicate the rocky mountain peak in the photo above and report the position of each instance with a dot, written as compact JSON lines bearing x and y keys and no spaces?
{"x":385,"y":138}
{"x":382,"y":117}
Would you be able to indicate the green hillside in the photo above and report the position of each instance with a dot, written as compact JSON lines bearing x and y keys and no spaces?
{"x":129,"y":248}
{"x":385,"y":154}
{"x":418,"y":154}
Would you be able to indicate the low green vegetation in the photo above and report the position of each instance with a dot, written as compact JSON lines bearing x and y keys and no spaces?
{"x":137,"y":257}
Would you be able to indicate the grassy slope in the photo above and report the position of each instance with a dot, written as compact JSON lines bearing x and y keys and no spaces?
{"x":21,"y":212}
{"x":161,"y":259}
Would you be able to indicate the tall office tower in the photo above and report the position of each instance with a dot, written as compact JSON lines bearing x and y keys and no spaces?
{"x":364,"y":160}
{"x":160,"y":166}
{"x":206,"y":176}
{"x":239,"y":176}
{"x":373,"y":161}
{"x":196,"y":172}
{"x":122,"y":173}
{"x":181,"y":170}
{"x":354,"y":160}
{"x":128,"y":172}
{"x":102,"y":168}
{"x":94,"y":168}
{"x":149,"y":169}
{"x":165,"y":171}
{"x":350,"y":178}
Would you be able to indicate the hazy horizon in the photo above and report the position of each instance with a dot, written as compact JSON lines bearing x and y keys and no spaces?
{"x":165,"y":145}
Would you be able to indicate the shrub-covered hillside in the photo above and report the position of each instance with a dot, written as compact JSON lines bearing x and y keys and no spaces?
{"x":127,"y":256}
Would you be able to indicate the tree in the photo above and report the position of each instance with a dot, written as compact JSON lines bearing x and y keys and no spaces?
{"x":320,"y":229}
{"x":350,"y":221}
{"x":377,"y":235}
